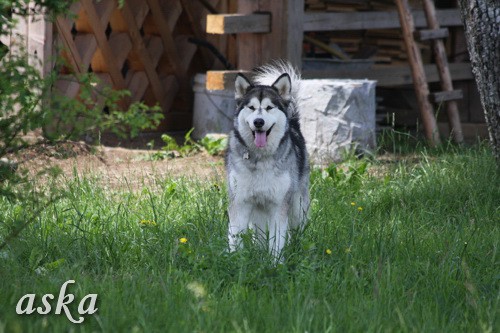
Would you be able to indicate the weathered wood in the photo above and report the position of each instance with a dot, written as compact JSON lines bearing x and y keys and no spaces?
{"x":373,"y":20}
{"x":187,"y":5}
{"x":73,"y":55}
{"x":120,"y":44}
{"x":446,"y":96}
{"x":222,"y":80}
{"x":103,"y":44}
{"x":238,"y":23}
{"x":418,"y":74}
{"x":86,"y":45}
{"x":444,"y":73}
{"x":386,"y":76}
{"x":428,"y":34}
{"x":166,"y":36}
{"x":117,"y":22}
{"x":389,"y":75}
{"x":285,"y":39}
{"x":141,"y":50}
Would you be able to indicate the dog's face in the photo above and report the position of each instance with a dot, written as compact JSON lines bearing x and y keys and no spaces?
{"x":261,"y":115}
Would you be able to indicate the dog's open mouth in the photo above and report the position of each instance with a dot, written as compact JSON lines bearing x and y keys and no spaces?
{"x":260,"y":137}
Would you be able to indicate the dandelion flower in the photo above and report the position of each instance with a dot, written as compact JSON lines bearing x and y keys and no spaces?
{"x":145,"y":223}
{"x":183,"y":240}
{"x":353,"y":203}
{"x":360,"y":208}
{"x":328,"y":251}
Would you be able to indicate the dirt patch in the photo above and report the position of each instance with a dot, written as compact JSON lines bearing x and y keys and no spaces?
{"x":118,"y":166}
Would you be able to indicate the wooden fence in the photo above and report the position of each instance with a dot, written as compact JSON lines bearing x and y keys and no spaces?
{"x":145,"y":46}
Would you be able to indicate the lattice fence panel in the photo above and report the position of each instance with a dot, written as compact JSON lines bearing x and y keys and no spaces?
{"x":142,"y":46}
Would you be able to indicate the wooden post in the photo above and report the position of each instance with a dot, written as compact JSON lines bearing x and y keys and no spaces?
{"x":283,"y":42}
{"x":444,"y":73}
{"x":418,"y":74}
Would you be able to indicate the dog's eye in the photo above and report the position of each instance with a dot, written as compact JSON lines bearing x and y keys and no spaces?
{"x":252,"y":108}
{"x":269,"y":108}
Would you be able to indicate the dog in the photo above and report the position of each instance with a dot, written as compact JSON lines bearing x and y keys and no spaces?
{"x":266,"y":159}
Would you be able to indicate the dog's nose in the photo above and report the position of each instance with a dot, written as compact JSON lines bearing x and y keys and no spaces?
{"x":259,"y":122}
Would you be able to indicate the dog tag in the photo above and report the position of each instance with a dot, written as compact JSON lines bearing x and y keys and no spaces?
{"x":246,"y":155}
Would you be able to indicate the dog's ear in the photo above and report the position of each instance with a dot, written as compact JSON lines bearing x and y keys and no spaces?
{"x":241,"y":86}
{"x":284,"y":86}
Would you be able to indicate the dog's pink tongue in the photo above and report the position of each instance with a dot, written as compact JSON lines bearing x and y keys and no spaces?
{"x":260,"y":139}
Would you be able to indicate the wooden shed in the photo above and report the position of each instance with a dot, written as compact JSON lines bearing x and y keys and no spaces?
{"x":154,"y":48}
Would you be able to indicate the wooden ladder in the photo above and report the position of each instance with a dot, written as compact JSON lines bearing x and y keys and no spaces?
{"x":448,"y":95}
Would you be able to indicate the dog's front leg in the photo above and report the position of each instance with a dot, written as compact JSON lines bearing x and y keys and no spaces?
{"x":239,"y":217}
{"x":278,"y":231}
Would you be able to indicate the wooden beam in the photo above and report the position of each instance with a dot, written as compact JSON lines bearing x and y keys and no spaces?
{"x":445,"y":96}
{"x":373,"y":20}
{"x":238,"y":23}
{"x":428,"y":34}
{"x":285,"y":39}
{"x":143,"y":54}
{"x":166,"y":37}
{"x":74,"y":56}
{"x":444,"y":73}
{"x":386,"y":76}
{"x":418,"y":74}
{"x":222,"y":80}
{"x":103,"y":44}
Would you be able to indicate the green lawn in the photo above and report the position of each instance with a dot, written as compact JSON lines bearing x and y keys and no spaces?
{"x":405,"y":245}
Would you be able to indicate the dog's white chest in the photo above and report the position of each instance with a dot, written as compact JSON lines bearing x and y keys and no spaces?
{"x":262,"y":186}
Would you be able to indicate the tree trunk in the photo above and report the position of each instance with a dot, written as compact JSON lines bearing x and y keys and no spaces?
{"x":482,"y":31}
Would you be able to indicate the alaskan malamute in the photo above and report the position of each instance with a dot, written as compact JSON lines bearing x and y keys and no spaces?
{"x":266,"y":160}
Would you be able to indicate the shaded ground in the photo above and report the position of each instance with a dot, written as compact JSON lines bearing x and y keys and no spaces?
{"x":117,"y":166}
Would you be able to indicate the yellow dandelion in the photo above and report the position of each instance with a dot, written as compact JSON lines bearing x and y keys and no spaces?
{"x":183,"y":240}
{"x":353,"y":203}
{"x":145,"y":223}
{"x":328,"y":251}
{"x":360,"y":208}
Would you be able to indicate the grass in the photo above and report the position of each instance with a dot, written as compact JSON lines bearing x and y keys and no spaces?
{"x":398,"y":246}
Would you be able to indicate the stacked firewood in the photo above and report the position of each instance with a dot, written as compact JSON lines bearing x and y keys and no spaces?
{"x":384,"y":46}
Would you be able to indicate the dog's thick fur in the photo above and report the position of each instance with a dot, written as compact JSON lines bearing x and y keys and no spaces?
{"x":266,"y":160}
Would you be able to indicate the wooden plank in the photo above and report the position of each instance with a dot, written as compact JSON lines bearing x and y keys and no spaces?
{"x":249,"y":46}
{"x":285,"y":39}
{"x":166,"y":37}
{"x":86,"y":45}
{"x":140,"y":10}
{"x":386,"y":76}
{"x":222,"y":80}
{"x":444,"y":73}
{"x":67,"y":39}
{"x":120,"y":44}
{"x":418,"y":74}
{"x":189,"y":10}
{"x":428,"y":34}
{"x":445,"y":96}
{"x":102,"y":42}
{"x":137,"y":84}
{"x":373,"y":20}
{"x":142,"y":52}
{"x":238,"y":23}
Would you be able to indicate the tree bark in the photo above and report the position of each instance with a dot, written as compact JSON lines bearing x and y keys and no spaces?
{"x":482,"y":31}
